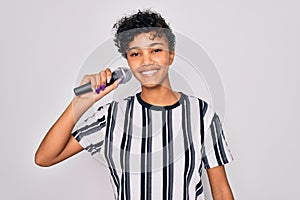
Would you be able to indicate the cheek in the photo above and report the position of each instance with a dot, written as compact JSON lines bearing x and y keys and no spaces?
{"x":166,"y":60}
{"x":131,"y":63}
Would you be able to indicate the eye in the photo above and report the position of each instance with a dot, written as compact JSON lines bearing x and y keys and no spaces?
{"x":134,"y":54}
{"x":157,"y":50}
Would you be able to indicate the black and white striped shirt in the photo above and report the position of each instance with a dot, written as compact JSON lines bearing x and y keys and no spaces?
{"x":155,"y":152}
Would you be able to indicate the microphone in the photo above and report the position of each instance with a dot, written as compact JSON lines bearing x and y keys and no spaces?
{"x":122,"y":73}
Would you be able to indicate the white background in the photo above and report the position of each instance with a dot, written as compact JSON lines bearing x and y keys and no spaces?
{"x":254,"y":45}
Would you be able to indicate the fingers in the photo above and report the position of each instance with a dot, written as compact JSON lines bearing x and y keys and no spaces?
{"x":103,"y":79}
{"x":108,"y":75}
{"x":98,"y":81}
{"x":98,"y":86}
{"x":108,"y":89}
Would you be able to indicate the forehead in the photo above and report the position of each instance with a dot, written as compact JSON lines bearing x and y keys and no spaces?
{"x":147,"y":39}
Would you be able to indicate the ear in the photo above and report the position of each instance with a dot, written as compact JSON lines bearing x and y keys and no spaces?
{"x":171,"y":56}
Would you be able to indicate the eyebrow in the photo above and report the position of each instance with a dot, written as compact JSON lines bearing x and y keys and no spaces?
{"x":151,"y":45}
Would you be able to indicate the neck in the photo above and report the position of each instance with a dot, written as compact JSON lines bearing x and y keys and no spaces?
{"x":161,"y":95}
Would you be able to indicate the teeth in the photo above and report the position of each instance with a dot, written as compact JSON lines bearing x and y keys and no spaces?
{"x":149,"y":72}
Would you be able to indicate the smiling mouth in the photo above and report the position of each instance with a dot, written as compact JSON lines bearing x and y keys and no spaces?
{"x":149,"y":73}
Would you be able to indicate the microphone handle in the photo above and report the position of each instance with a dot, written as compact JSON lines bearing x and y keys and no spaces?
{"x":85,"y":88}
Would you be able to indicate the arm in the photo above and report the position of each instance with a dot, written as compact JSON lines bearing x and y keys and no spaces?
{"x":219,"y":184}
{"x":59,"y":144}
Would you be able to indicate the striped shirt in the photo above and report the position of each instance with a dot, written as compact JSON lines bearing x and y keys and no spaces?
{"x":155,"y":152}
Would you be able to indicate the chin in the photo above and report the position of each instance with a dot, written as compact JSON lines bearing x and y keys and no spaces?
{"x":151,"y":85}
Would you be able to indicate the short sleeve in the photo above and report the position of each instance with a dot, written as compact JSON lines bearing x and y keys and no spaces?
{"x":91,"y":132}
{"x":215,"y":150}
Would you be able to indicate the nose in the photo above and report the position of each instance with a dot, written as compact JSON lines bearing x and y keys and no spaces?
{"x":146,"y":58}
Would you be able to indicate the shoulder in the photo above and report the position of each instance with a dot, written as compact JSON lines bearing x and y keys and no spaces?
{"x":204,"y":105}
{"x":207,"y":110}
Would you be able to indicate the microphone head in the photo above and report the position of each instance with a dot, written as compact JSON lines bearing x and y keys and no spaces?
{"x":124,"y":73}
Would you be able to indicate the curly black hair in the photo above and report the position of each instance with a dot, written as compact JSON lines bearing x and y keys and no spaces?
{"x":141,"y":22}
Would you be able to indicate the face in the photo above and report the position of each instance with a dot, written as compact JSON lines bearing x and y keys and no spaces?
{"x":149,"y":59}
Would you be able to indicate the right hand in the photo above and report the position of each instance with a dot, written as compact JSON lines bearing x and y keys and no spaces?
{"x":98,"y":83}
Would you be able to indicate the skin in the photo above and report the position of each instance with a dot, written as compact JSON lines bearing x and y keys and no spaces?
{"x":59,"y":144}
{"x":149,"y":60}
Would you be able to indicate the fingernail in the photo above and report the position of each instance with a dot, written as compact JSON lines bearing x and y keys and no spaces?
{"x":121,"y":80}
{"x":98,"y":90}
{"x":108,"y":79}
{"x":102,"y":87}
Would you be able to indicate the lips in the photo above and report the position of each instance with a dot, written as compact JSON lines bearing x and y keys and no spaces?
{"x":149,"y":73}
